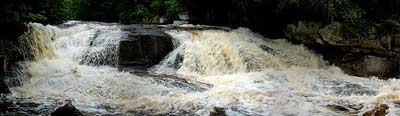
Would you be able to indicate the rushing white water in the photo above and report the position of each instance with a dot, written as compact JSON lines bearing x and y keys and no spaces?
{"x":36,"y":42}
{"x":248,"y":74}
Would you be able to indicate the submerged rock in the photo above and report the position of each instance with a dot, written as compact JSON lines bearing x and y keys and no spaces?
{"x":218,"y":112}
{"x":66,"y":110}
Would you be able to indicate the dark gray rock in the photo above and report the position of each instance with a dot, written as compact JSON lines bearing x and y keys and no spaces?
{"x":396,"y":42}
{"x":3,"y":86}
{"x":66,"y":110}
{"x":218,"y":112}
{"x":371,"y":65}
{"x":332,"y":35}
{"x":2,"y":66}
{"x":15,"y":106}
{"x":304,"y":32}
{"x":145,"y":46}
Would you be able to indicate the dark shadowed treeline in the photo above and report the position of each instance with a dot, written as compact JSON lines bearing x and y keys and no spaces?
{"x":16,"y":12}
{"x":128,"y":11}
{"x":270,"y":17}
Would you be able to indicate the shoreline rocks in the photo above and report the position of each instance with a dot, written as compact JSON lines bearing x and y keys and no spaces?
{"x":374,"y":54}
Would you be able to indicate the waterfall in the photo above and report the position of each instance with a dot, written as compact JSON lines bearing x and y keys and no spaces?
{"x":218,"y":52}
{"x":36,"y":42}
{"x":238,"y":70}
{"x":91,"y":44}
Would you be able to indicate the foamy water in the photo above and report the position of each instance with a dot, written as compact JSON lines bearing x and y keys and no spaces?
{"x":238,"y":70}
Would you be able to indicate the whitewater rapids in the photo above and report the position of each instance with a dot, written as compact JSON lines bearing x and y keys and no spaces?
{"x":238,"y":70}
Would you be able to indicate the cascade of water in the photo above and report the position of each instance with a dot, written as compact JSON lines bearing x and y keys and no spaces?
{"x":247,"y":74}
{"x":217,"y":52}
{"x":91,"y":44}
{"x":36,"y":42}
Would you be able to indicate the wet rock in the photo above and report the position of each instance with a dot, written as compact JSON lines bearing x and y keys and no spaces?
{"x":11,"y":106}
{"x":369,"y":65}
{"x":3,"y":86}
{"x":396,"y":42}
{"x":332,"y":35}
{"x":66,"y":110}
{"x":369,"y":113}
{"x":304,"y":32}
{"x":145,"y":46}
{"x":218,"y":112}
{"x":17,"y":75}
{"x":383,"y":106}
{"x":380,"y":110}
{"x":338,"y":108}
{"x":2,"y":66}
{"x":345,"y":107}
{"x":175,"y":81}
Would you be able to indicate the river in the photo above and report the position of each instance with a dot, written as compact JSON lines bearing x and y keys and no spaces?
{"x":238,"y":70}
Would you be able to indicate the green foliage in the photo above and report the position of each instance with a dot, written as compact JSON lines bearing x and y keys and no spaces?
{"x":42,"y":11}
{"x":342,"y":9}
{"x":128,"y":11}
{"x":173,"y":7}
{"x":9,"y":48}
{"x":329,"y":10}
{"x":358,"y":29}
{"x":15,"y":13}
{"x":360,"y":18}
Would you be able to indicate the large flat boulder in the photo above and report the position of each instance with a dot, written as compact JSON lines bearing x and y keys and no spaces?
{"x":144,"y":46}
{"x":368,"y":65}
{"x":332,"y":35}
